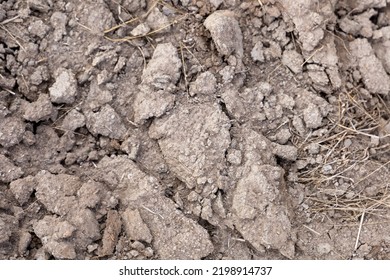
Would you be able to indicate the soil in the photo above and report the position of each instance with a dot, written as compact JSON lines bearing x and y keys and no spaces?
{"x":184,"y":129}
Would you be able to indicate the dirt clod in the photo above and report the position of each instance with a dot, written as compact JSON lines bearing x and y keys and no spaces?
{"x":64,"y":88}
{"x":220,"y":129}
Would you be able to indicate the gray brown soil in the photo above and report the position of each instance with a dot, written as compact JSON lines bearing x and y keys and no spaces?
{"x":194,"y":129}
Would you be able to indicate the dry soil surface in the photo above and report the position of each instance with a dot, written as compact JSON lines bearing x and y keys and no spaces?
{"x":194,"y":129}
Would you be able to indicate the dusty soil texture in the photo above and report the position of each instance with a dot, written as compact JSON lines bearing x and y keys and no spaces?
{"x":194,"y":129}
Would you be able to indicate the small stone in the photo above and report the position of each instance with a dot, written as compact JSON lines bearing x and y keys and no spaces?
{"x":216,"y":3}
{"x":137,"y":245}
{"x":286,"y":101}
{"x":164,"y":67}
{"x":24,"y":242}
{"x":300,"y":164}
{"x":157,"y":20}
{"x":140,"y":30}
{"x":327,"y":169}
{"x":39,"y":5}
{"x":29,"y":138}
{"x":39,"y":75}
{"x":347,"y":143}
{"x":205,"y":83}
{"x":61,"y":250}
{"x":7,"y":82}
{"x":149,"y":103}
{"x":92,"y":247}
{"x":89,"y":195}
{"x":313,"y":148}
{"x":40,"y":110}
{"x":58,"y":21}
{"x":134,"y":253}
{"x":105,"y":122}
{"x":135,"y":227}
{"x":64,"y":88}
{"x":201,"y":181}
{"x":257,"y":52}
{"x":11,"y":131}
{"x":298,"y":125}
{"x":374,"y":75}
{"x":41,"y":254}
{"x":226,"y":33}
{"x":8,"y":171}
{"x":63,"y":230}
{"x":286,"y":151}
{"x":374,"y":141}
{"x":283,"y":135}
{"x":312,"y":116}
{"x":73,"y":120}
{"x":227,"y":74}
{"x":148,"y":252}
{"x":97,"y":96}
{"x":104,"y":77}
{"x":207,"y":211}
{"x":22,"y":189}
{"x":234,"y":156}
{"x":193,"y":196}
{"x":38,"y":28}
{"x":293,"y":61}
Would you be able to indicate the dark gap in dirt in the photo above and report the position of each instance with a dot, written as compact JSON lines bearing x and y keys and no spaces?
{"x":169,"y":192}
{"x":207,"y":226}
{"x":7,"y":71}
{"x":35,"y":127}
{"x":224,"y":109}
{"x":324,"y":95}
{"x":34,"y":245}
{"x":285,"y":164}
{"x":374,"y":18}
{"x":33,"y":198}
{"x":298,"y":249}
{"x":266,"y":44}
{"x":148,"y":123}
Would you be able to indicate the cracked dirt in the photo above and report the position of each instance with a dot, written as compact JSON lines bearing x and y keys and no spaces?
{"x":184,"y":129}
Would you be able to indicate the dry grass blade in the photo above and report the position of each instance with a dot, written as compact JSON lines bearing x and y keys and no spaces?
{"x":120,"y":25}
{"x":356,"y":119}
{"x":372,"y":173}
{"x":4,"y":22}
{"x":184,"y":67}
{"x":310,"y":56}
{"x":13,"y":37}
{"x":359,"y":231}
{"x":129,"y":38}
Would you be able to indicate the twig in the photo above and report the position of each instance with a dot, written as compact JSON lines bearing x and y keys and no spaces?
{"x":312,"y":230}
{"x":313,"y":54}
{"x":9,"y":91}
{"x":276,"y":68}
{"x":379,"y":168}
{"x":147,"y":209}
{"x":13,"y":37}
{"x":9,"y":20}
{"x":128,"y":38}
{"x":197,"y":60}
{"x":360,"y":229}
{"x":362,"y":133}
{"x":184,"y":67}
